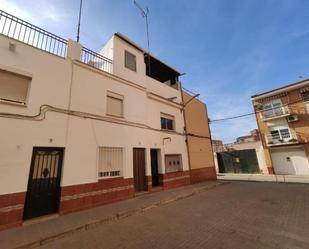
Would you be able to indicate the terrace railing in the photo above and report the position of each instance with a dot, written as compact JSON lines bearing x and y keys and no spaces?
{"x":96,"y":60}
{"x":32,"y":35}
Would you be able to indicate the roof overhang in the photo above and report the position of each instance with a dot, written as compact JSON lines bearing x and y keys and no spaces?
{"x":283,"y":89}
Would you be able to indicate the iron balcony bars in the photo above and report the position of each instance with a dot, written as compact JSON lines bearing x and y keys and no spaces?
{"x":96,"y":60}
{"x":23,"y":31}
{"x":32,"y":35}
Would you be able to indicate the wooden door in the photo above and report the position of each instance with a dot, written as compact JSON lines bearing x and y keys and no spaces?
{"x":139,"y":169}
{"x":43,"y":193}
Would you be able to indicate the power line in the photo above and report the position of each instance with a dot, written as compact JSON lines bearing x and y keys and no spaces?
{"x":252,"y":113}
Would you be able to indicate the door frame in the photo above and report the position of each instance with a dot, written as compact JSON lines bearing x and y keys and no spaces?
{"x":59,"y":175}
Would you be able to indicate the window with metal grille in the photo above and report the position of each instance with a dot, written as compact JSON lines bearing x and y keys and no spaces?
{"x":110,"y":162}
{"x":130,"y":61}
{"x":173,"y":163}
{"x":114,"y":105}
{"x":13,"y":87}
{"x":167,"y":122}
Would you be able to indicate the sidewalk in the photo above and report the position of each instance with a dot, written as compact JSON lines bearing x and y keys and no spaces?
{"x":40,"y":233}
{"x":263,"y":178}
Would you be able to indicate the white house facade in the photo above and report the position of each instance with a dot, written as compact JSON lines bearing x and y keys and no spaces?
{"x":80,"y":129}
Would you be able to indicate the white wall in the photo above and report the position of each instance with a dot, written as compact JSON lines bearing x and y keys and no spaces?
{"x":52,"y":77}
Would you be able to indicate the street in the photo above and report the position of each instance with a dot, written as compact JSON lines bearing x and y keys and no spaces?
{"x":236,"y":215}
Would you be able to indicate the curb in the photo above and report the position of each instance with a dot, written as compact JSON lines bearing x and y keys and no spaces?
{"x":118,"y":216}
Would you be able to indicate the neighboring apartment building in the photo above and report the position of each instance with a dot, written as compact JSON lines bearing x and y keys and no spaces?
{"x":282,"y":116}
{"x":81,"y":129}
{"x":253,"y":137}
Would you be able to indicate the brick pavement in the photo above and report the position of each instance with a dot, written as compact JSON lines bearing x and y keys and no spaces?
{"x":239,"y":215}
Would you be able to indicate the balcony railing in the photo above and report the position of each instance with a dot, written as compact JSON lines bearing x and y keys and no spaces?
{"x":275,"y":112}
{"x":32,"y":35}
{"x":96,"y":60}
{"x":278,"y":138}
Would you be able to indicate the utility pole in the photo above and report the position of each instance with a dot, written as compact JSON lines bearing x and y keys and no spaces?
{"x":79,"y":17}
{"x":144,"y":13}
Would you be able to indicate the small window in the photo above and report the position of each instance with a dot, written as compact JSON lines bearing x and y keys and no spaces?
{"x":130,"y":61}
{"x":114,"y":104}
{"x":110,"y":162}
{"x":167,"y":122}
{"x":173,"y":163}
{"x":305,"y":96}
{"x":13,"y":87}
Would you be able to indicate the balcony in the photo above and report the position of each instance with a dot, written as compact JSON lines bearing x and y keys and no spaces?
{"x":22,"y":31}
{"x":277,"y":112}
{"x":281,"y":137}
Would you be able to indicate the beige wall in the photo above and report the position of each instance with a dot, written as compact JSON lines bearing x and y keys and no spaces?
{"x":200,"y":148}
{"x":52,"y":78}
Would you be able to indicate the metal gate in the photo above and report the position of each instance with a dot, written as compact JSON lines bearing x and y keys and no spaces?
{"x":238,"y":161}
{"x":43,"y":193}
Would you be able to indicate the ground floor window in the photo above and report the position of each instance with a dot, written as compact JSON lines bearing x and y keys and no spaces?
{"x":173,"y":163}
{"x":111,"y":161}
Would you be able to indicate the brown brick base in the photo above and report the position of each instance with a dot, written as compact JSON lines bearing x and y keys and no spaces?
{"x":175,"y":179}
{"x":84,"y":196}
{"x":271,"y":170}
{"x":203,"y":174}
{"x":11,"y":210}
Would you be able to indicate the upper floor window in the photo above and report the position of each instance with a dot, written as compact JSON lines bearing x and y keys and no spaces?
{"x":273,"y":108}
{"x":110,"y":161}
{"x":13,"y":87}
{"x":130,"y":61}
{"x":167,"y":122}
{"x":114,"y":105}
{"x":305,"y":96}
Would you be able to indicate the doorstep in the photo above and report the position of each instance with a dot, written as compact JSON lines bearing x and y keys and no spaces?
{"x":37,"y":234}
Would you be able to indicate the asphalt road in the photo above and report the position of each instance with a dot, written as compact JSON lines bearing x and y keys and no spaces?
{"x":240,"y":215}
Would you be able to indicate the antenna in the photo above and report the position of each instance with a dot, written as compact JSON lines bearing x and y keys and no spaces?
{"x":144,"y":13}
{"x":79,"y":17}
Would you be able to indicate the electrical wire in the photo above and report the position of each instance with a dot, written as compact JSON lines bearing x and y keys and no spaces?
{"x":253,"y":113}
{"x":48,"y":108}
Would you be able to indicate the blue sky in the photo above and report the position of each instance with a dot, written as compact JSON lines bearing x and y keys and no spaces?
{"x":229,"y":49}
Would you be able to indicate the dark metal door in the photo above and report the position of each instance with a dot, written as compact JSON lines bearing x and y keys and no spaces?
{"x":154,"y":167}
{"x":139,"y":169}
{"x":43,"y":193}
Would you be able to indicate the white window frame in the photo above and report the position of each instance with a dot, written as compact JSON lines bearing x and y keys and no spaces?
{"x":274,"y":108}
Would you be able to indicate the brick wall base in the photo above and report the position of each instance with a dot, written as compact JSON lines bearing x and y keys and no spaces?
{"x":271,"y":170}
{"x":11,"y":210}
{"x":203,"y":174}
{"x":175,"y":179}
{"x":84,"y":196}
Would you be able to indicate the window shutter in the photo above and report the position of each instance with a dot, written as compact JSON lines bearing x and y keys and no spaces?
{"x":13,"y":87}
{"x":114,"y":106}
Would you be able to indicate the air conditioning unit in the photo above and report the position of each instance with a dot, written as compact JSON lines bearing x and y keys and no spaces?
{"x":292,"y":118}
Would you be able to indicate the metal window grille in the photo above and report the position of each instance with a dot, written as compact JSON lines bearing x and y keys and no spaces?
{"x":110,"y":162}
